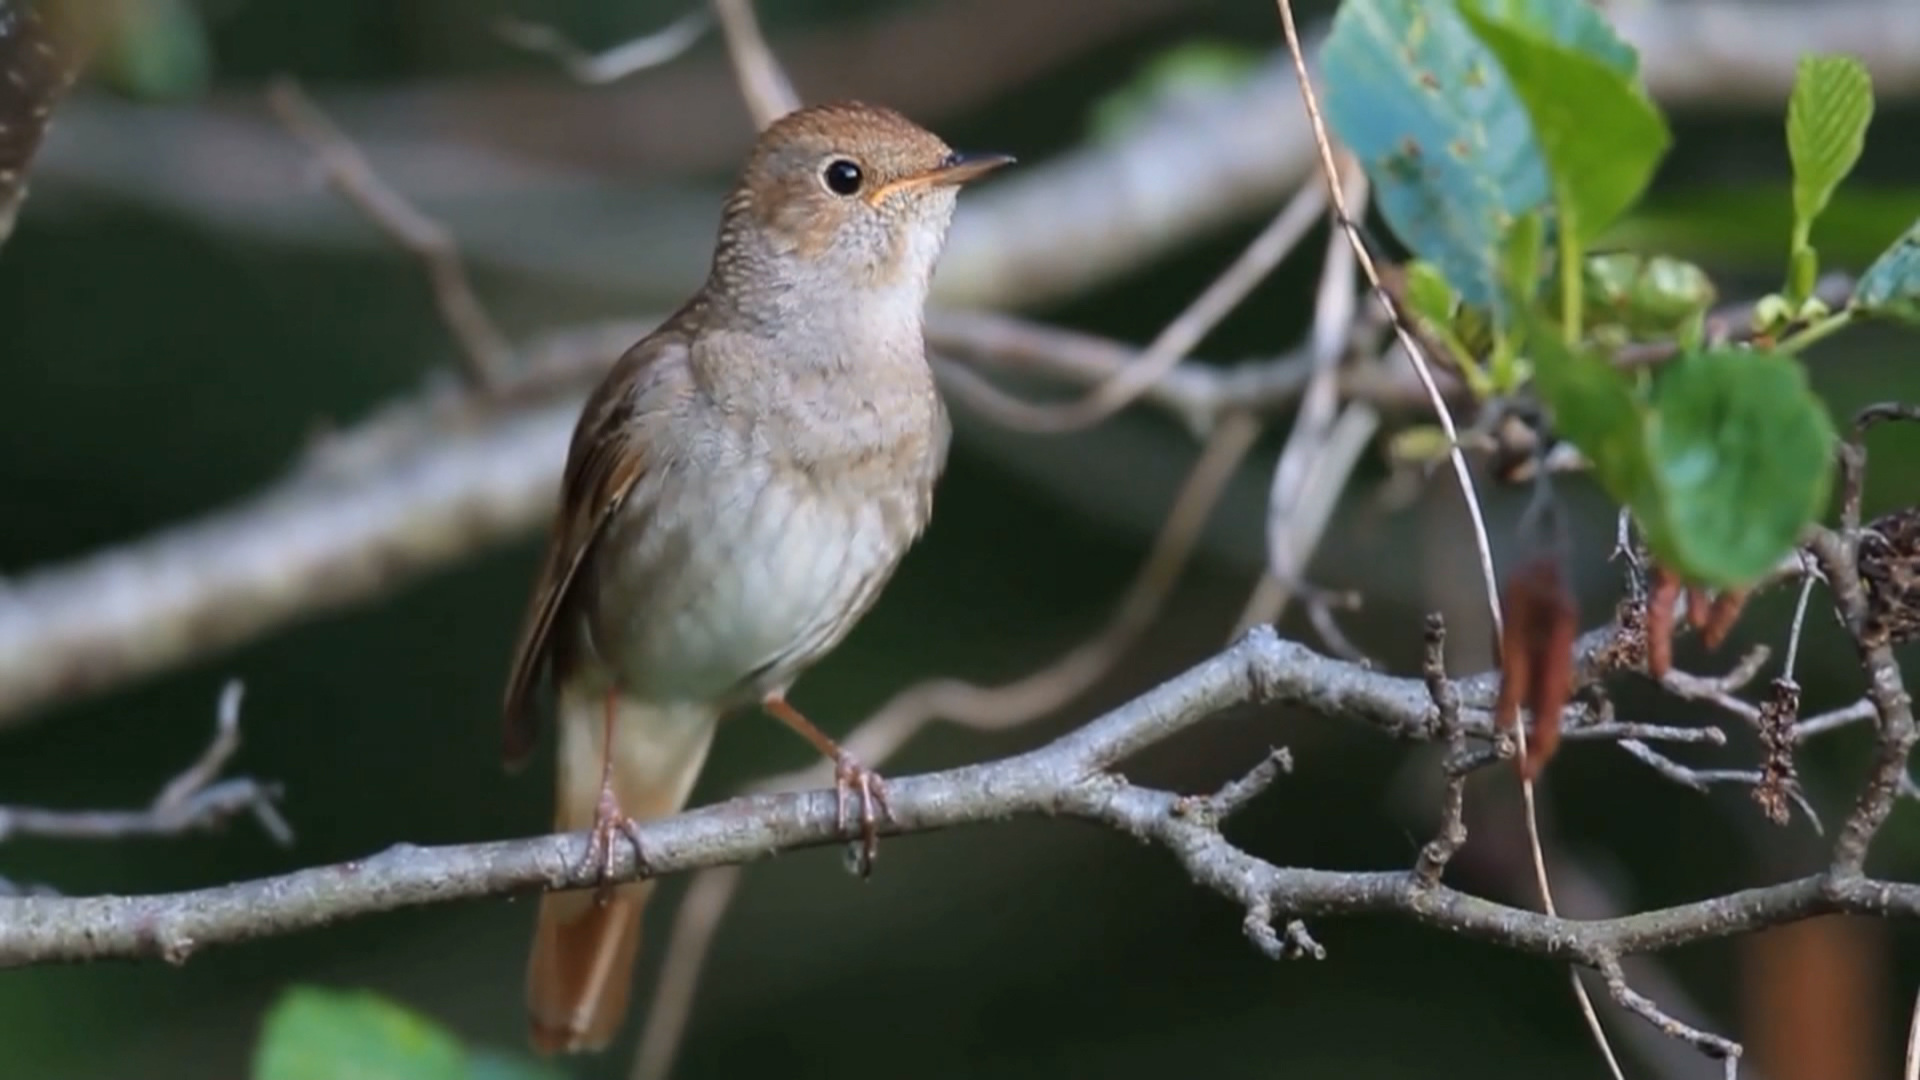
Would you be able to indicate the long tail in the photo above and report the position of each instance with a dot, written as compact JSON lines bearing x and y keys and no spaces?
{"x":581,"y":969}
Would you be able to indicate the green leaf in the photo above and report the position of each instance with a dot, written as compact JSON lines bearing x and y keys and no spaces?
{"x":1723,"y":466}
{"x":1429,"y":294}
{"x":1429,"y":115}
{"x":1520,"y":258}
{"x":1742,"y":456}
{"x":1891,"y":286}
{"x":1595,"y":409}
{"x":1599,"y":134}
{"x":1432,"y":116}
{"x":1646,"y":296}
{"x":1827,"y":119}
{"x":319,"y":1034}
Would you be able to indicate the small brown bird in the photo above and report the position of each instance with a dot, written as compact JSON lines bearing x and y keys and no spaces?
{"x":737,"y":492}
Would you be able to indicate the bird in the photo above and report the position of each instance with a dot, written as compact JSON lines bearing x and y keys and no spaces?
{"x":738,"y":490}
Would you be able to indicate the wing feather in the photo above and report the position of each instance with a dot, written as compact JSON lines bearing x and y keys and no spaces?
{"x":604,"y":463}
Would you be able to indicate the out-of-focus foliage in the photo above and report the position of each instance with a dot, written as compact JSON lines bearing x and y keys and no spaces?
{"x":1723,"y":453}
{"x":318,"y":1034}
{"x":1195,"y":65}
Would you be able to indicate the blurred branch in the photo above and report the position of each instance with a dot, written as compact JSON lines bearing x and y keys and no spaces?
{"x":647,"y":51}
{"x":482,"y":155}
{"x":1180,"y":336}
{"x":483,"y":348}
{"x":196,"y":799}
{"x":768,"y":91}
{"x":1069,"y":777}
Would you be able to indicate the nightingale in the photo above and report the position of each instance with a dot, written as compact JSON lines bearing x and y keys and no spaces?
{"x":738,"y":490}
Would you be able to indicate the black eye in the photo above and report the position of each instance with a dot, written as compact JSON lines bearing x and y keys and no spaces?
{"x":843,"y":177}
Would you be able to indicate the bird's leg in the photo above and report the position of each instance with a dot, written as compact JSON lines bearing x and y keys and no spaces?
{"x":608,"y":818}
{"x":849,"y":778}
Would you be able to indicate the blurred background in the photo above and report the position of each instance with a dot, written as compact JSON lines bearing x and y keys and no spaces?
{"x":184,"y":309}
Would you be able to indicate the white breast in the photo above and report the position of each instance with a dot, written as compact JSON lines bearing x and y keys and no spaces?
{"x":761,"y":578}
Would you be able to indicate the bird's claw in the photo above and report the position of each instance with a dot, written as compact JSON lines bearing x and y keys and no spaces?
{"x":609,"y":819}
{"x":851,"y":781}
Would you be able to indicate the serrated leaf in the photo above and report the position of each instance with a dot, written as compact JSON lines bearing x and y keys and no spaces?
{"x":1827,"y":118}
{"x":1599,"y":134}
{"x":1433,"y":118}
{"x":1891,"y":286}
{"x":1741,"y":452}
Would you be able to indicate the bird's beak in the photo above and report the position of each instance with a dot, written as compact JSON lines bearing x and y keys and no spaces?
{"x":957,"y":169}
{"x":960,"y":168}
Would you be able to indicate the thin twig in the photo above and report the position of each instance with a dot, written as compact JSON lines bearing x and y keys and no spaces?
{"x":763,"y":83}
{"x":1452,"y":833}
{"x":192,"y":801}
{"x":1235,"y":794}
{"x":1833,"y":720}
{"x":1724,"y":1050}
{"x":1293,"y":526}
{"x":877,"y":738}
{"x":484,"y":350}
{"x":1799,"y":616}
{"x":663,"y":46}
{"x":1180,"y":336}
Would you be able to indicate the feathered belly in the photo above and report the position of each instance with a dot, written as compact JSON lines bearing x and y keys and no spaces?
{"x":729,"y":598}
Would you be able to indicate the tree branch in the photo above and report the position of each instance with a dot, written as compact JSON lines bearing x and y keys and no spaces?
{"x":1068,"y":777}
{"x":195,"y":799}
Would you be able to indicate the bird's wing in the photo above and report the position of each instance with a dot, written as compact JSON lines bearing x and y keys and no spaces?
{"x":604,"y":463}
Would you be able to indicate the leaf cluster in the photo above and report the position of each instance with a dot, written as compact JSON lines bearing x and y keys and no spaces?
{"x":1505,"y":138}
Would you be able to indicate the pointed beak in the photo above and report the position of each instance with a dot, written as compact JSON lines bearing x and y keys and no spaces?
{"x":961,"y":168}
{"x":956,"y":169}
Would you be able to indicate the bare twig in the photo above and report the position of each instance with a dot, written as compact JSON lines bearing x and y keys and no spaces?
{"x":192,"y":801}
{"x":663,"y":46}
{"x":1799,"y":616}
{"x":1068,"y":777}
{"x":1725,"y":1050}
{"x":1237,"y":793}
{"x":1313,"y":462}
{"x":1833,"y":720}
{"x":483,"y":348}
{"x":764,"y":84}
{"x":987,"y":708}
{"x":1452,"y":833}
{"x":1893,"y":708}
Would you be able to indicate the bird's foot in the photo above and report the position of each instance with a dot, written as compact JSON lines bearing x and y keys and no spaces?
{"x":854,"y":782}
{"x":609,"y":820}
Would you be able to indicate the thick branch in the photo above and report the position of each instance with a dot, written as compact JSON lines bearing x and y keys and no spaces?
{"x":1067,"y":777}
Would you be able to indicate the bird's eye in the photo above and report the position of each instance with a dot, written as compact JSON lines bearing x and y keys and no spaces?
{"x":843,"y":177}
